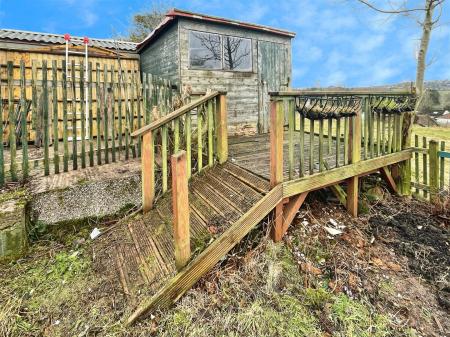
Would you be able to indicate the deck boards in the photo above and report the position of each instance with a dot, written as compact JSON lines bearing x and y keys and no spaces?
{"x":217,"y":199}
{"x":252,"y":154}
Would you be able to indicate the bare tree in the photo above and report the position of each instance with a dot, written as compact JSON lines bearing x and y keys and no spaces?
{"x":427,"y":22}
{"x":236,"y":51}
{"x":146,"y":21}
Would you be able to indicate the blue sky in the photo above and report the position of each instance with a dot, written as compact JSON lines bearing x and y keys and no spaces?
{"x":339,"y":42}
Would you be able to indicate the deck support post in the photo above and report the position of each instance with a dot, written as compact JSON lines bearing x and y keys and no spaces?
{"x":285,"y":212}
{"x":434,"y":171}
{"x":148,"y":172}
{"x":384,"y":171}
{"x":354,"y":157}
{"x":180,"y":203}
{"x":276,"y":142}
{"x":222,"y":128}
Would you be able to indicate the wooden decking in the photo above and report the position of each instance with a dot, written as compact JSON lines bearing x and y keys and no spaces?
{"x":218,"y":197}
{"x":253,"y":154}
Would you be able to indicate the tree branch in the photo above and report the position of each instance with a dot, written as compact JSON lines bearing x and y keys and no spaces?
{"x":393,"y":11}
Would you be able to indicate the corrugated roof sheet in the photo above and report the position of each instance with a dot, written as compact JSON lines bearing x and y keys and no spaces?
{"x":21,"y":35}
{"x":176,"y":13}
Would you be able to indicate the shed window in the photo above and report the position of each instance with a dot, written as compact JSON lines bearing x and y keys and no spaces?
{"x":237,"y":53}
{"x":205,"y":50}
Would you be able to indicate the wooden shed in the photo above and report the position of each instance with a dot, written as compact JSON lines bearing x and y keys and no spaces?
{"x":205,"y":52}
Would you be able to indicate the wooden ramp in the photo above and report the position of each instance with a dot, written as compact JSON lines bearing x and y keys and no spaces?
{"x":219,"y":198}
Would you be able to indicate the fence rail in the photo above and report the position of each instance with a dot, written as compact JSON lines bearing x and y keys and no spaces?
{"x":61,"y":117}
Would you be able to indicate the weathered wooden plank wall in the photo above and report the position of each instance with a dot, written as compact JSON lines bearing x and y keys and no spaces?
{"x":170,"y":53}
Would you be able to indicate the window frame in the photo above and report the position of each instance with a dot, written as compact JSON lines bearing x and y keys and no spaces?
{"x":222,"y":66}
{"x":189,"y":50}
{"x":250,"y":70}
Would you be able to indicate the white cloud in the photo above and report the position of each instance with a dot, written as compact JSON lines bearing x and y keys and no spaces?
{"x":89,"y":18}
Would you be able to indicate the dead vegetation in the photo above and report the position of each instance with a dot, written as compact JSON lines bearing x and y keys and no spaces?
{"x":387,"y":274}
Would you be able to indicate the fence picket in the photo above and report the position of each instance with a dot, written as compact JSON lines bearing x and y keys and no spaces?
{"x":55,"y":116}
{"x":23,"y":121}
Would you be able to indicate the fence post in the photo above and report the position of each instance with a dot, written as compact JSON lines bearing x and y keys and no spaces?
{"x":434,"y":171}
{"x":148,"y":172}
{"x":180,"y":203}
{"x":354,"y":153}
{"x":404,"y":185}
{"x":222,"y":129}
{"x":276,"y":142}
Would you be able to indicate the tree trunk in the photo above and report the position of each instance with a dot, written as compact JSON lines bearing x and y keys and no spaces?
{"x":427,"y":26}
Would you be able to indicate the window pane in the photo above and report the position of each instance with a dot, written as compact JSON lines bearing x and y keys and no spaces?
{"x":237,"y":53}
{"x":205,"y":50}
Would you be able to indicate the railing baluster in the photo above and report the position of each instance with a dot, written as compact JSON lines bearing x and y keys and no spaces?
{"x":338,"y":141}
{"x":199,"y":138}
{"x":291,"y":129}
{"x":302,"y":146}
{"x":222,"y":128}
{"x":188,"y":143}
{"x":345,"y":140}
{"x":210,"y":134}
{"x":330,"y":135}
{"x":91,"y":123}
{"x":321,"y":145}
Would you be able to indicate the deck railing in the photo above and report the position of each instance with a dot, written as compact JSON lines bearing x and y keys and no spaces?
{"x":46,"y":126}
{"x":204,"y":139}
{"x":360,"y":126}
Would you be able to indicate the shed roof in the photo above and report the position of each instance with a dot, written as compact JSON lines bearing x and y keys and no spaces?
{"x":177,"y":13}
{"x":48,"y":38}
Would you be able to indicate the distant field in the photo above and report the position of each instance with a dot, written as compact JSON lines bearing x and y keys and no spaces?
{"x":433,"y":132}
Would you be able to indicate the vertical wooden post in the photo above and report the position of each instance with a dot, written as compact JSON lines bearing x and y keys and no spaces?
{"x":276,"y":142}
{"x":148,"y":172}
{"x":434,"y":171}
{"x":12,"y":123}
{"x":354,"y":156}
{"x":180,"y":204}
{"x":222,"y":129}
{"x":404,"y":183}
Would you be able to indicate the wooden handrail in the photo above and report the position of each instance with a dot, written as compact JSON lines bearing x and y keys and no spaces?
{"x":174,"y":114}
{"x":352,"y":92}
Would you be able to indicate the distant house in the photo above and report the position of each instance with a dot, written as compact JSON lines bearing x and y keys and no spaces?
{"x":444,"y":119}
{"x":206,"y":52}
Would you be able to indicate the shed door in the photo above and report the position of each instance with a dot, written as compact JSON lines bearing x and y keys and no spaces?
{"x":273,"y":75}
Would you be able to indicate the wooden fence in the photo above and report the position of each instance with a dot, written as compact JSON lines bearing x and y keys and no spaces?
{"x":431,"y":169}
{"x":47,"y":124}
